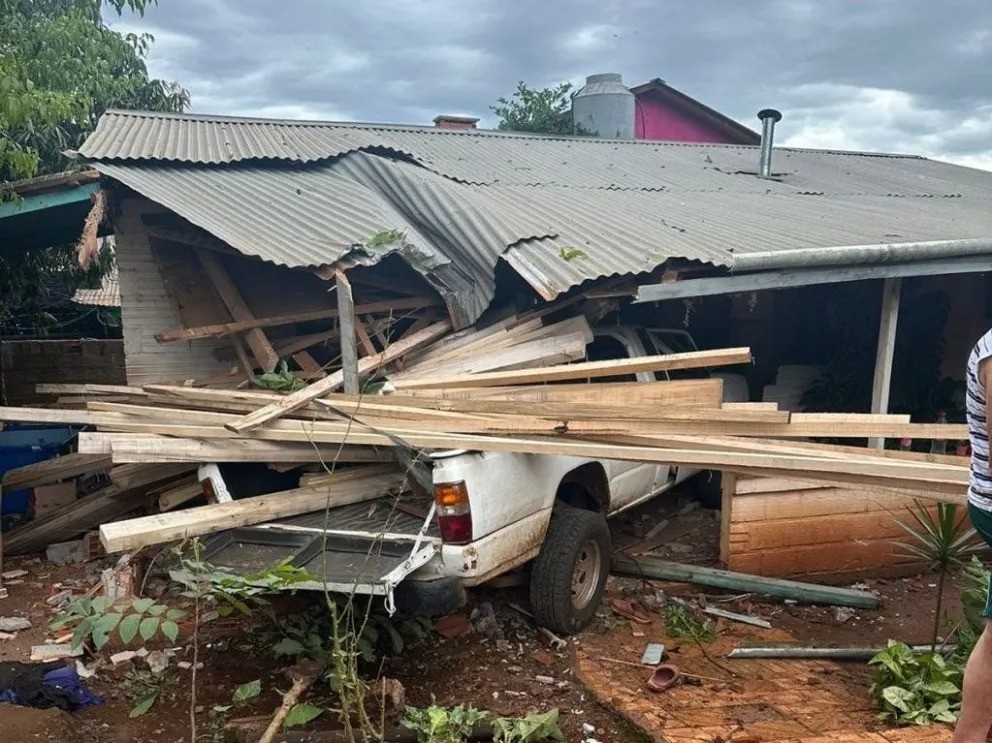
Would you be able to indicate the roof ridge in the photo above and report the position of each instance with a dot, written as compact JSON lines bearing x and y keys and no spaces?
{"x":494,"y":133}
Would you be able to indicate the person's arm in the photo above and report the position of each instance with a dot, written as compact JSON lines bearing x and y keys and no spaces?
{"x":985,"y":377}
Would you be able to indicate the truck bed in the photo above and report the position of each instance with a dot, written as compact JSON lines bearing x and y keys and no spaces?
{"x":366,"y":547}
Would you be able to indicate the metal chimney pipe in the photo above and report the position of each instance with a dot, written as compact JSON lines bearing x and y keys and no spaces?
{"x":769,"y":117}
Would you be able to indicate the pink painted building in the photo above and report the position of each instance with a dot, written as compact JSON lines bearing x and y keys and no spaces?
{"x":664,"y":113}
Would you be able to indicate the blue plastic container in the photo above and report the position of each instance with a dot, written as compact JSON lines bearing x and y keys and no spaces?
{"x":20,"y":446}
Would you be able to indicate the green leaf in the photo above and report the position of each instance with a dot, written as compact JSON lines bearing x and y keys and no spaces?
{"x":141,"y":605}
{"x":899,"y":698}
{"x":144,"y":705}
{"x":100,"y":604}
{"x":247,"y":691}
{"x":170,"y":629}
{"x":128,"y":628}
{"x":301,"y":714}
{"x":174,"y":614}
{"x":147,"y":628}
{"x":157,"y":610}
{"x":102,"y":629}
{"x":942,"y":688}
{"x":83,"y":631}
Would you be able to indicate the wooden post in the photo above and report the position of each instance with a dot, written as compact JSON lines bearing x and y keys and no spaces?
{"x":263,"y":351}
{"x":349,"y":344}
{"x":885,"y":351}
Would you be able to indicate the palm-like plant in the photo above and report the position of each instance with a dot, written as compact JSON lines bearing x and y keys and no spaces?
{"x":942,"y":542}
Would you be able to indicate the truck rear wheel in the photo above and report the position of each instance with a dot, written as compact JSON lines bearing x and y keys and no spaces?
{"x":569,"y":574}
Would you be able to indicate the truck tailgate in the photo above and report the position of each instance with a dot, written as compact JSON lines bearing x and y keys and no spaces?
{"x":366,"y":548}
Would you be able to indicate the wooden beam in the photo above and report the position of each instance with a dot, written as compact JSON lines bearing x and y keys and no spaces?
{"x":892,"y":474}
{"x":329,"y":384}
{"x":53,"y":470}
{"x":885,"y":351}
{"x":349,"y":348}
{"x":683,"y":393}
{"x":244,"y":361}
{"x":263,"y":351}
{"x":220,"y":330}
{"x":587,"y":370}
{"x":147,"y":449}
{"x":179,"y":494}
{"x":87,"y":389}
{"x":649,"y":567}
{"x":167,"y":527}
{"x":309,"y":364}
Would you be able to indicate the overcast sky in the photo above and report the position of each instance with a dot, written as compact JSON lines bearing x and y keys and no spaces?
{"x":891,"y":75}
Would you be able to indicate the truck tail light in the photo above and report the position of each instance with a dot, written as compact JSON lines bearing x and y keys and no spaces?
{"x":454,"y":514}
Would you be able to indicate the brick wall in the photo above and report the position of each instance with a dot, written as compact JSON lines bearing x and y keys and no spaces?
{"x":25,"y":363}
{"x":778,"y":527}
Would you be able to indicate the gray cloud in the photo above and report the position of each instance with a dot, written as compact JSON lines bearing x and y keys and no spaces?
{"x":906,"y":75}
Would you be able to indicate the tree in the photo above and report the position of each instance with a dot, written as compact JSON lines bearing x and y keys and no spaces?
{"x":547,"y":111}
{"x":61,"y":67}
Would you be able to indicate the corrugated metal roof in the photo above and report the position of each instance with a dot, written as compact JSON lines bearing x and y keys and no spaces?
{"x":311,"y":194}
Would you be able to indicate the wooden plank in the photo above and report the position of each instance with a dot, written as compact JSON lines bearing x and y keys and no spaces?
{"x":650,"y":567}
{"x":167,"y":527}
{"x":346,"y":318}
{"x":146,"y":449}
{"x":749,"y":406}
{"x":309,"y":364}
{"x":179,"y":494}
{"x":244,"y":361}
{"x":940,"y":482}
{"x":685,"y":393}
{"x":263,"y":351}
{"x":588,"y":370}
{"x":132,"y":476}
{"x":364,"y":339}
{"x":88,"y":389}
{"x":332,"y":382}
{"x":53,"y":470}
{"x":758,"y":485}
{"x":220,"y":330}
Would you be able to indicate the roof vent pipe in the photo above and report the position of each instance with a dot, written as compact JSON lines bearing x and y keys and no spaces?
{"x":769,"y":117}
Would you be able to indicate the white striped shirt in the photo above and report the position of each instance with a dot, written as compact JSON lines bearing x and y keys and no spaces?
{"x":980,"y":489}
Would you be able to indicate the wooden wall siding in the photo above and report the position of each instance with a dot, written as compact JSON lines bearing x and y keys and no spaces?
{"x":27,"y":363}
{"x":778,"y":527}
{"x":147,"y":309}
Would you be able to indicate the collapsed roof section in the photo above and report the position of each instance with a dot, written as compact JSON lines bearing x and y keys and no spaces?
{"x":561,"y":211}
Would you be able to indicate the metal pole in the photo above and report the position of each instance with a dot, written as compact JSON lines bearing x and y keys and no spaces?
{"x":884,"y":352}
{"x":769,"y":117}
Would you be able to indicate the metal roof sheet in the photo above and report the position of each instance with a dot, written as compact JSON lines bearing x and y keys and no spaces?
{"x":312,"y":194}
{"x":108,"y":295}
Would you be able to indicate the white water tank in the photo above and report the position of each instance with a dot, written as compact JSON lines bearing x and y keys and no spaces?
{"x":604,"y":107}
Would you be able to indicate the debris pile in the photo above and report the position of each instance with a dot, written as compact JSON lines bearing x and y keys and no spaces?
{"x":516,"y":385}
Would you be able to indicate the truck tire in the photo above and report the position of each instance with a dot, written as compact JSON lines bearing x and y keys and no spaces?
{"x":569,"y":574}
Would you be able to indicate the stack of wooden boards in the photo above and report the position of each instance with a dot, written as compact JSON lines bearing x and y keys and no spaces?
{"x":516,"y":386}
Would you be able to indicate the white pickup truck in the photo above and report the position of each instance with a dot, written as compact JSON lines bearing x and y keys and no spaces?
{"x":491,"y":513}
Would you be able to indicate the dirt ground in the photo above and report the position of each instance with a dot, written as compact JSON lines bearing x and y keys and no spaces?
{"x":501,"y":664}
